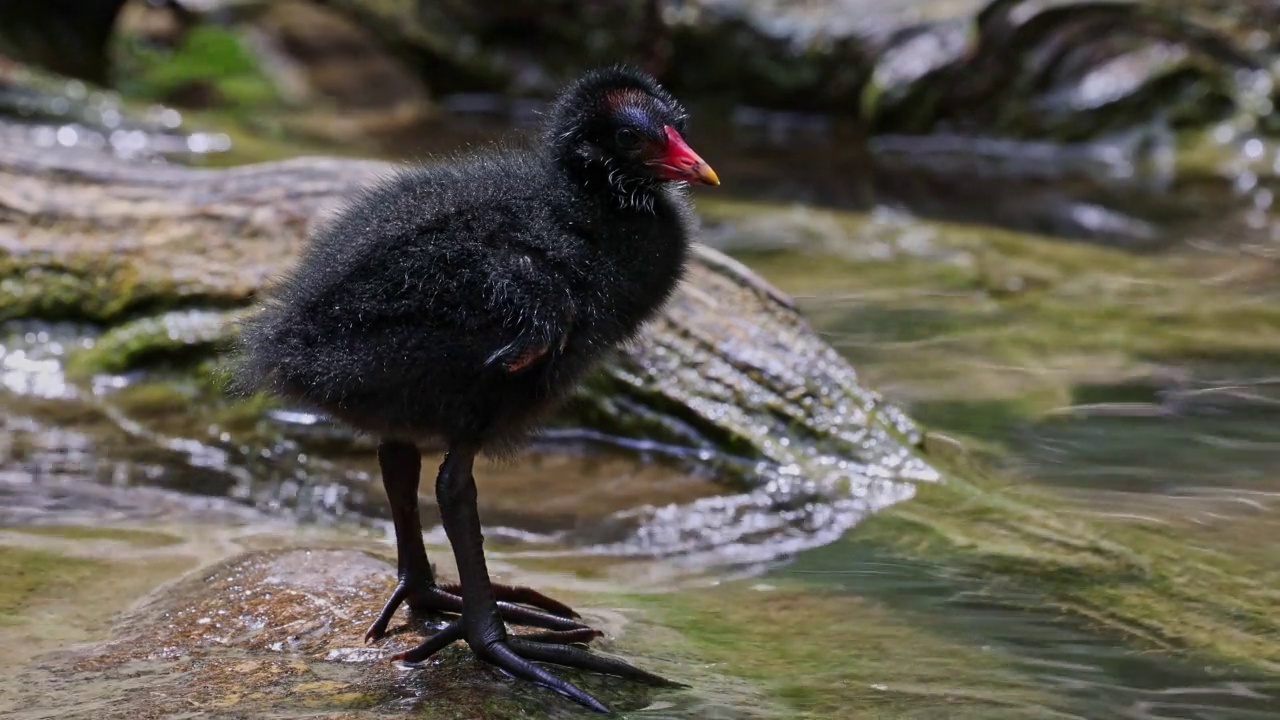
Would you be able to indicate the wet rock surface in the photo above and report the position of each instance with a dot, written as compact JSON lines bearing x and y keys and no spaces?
{"x":1066,"y":71}
{"x":280,"y":632}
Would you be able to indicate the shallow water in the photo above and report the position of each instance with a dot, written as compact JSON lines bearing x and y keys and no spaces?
{"x":1122,"y":432}
{"x":1088,"y":675}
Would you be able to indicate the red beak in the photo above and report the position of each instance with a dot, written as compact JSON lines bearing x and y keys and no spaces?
{"x":682,"y":163}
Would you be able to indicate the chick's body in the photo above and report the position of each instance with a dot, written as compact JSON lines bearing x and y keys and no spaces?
{"x":406,"y":312}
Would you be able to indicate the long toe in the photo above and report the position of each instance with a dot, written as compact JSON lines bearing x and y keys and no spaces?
{"x":504,"y":657}
{"x":522,"y":595}
{"x":516,"y":605}
{"x":576,"y":657}
{"x":521,"y":615}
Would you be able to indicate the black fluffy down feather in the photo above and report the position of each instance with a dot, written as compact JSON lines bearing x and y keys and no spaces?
{"x":407,"y":313}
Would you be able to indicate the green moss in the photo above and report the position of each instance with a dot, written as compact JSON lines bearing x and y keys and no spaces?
{"x":26,"y":576}
{"x":174,"y":338}
{"x":81,"y":289}
{"x":208,"y":56}
{"x":820,"y":654}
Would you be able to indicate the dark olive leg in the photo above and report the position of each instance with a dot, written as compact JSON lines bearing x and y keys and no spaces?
{"x":401,"y":465}
{"x":481,"y":622}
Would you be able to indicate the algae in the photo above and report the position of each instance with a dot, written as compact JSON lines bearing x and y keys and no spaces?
{"x":174,"y":338}
{"x":91,"y":289}
{"x":1150,"y":585}
{"x":28,"y":576}
{"x":822,"y":654}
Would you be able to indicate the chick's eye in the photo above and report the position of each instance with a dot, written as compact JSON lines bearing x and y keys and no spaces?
{"x":628,"y":139}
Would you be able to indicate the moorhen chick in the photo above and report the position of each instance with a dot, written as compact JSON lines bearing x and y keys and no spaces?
{"x":459,"y":303}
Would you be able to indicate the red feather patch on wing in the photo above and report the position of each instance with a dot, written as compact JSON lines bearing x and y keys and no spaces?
{"x":526,"y":358}
{"x":525,"y":352}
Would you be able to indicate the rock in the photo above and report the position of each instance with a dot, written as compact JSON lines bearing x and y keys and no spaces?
{"x":797,"y":56}
{"x":275,"y":631}
{"x":517,"y":47}
{"x":320,"y":59}
{"x":1061,"y":70}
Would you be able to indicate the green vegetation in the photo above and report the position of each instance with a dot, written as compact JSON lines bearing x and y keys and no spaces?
{"x":174,"y":338}
{"x":74,"y":288}
{"x":211,"y":61}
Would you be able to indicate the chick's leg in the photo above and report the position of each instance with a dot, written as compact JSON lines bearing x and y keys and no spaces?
{"x":401,"y":465}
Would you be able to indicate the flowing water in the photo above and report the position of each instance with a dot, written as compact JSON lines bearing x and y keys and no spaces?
{"x":1084,"y":383}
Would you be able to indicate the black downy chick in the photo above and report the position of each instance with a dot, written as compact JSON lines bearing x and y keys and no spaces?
{"x":460,"y":302}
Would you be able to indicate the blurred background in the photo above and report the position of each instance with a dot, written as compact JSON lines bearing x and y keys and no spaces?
{"x":1043,"y":229}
